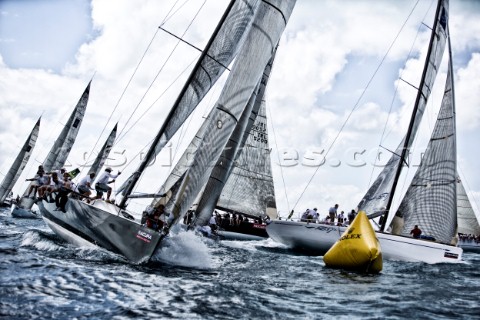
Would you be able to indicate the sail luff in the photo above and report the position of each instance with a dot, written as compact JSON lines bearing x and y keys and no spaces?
{"x":60,"y":150}
{"x":270,"y":21}
{"x":104,"y":152}
{"x":378,"y":199}
{"x":224,"y":166}
{"x":20,"y":162}
{"x":222,"y":47}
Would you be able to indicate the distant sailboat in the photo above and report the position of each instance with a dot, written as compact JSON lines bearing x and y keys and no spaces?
{"x":249,"y":30}
{"x":19,"y":164}
{"x":58,"y":154}
{"x":430,"y":201}
{"x":467,"y":222}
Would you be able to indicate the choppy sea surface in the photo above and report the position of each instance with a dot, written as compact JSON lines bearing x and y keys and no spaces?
{"x":42,"y":277}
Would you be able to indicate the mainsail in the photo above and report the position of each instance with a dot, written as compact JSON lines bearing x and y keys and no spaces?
{"x":58,"y":155}
{"x":217,"y":55}
{"x":248,"y":169}
{"x":467,"y":221}
{"x":378,"y":198}
{"x":19,"y":164}
{"x":270,"y":21}
{"x":250,"y":188}
{"x":104,"y":152}
{"x":431,"y":199}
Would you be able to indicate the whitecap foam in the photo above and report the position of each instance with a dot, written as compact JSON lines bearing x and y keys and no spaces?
{"x":185,"y":248}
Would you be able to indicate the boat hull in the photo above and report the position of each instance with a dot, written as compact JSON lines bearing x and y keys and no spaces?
{"x":229,"y":235}
{"x":98,"y":224}
{"x":244,"y":232}
{"x":24,"y":213}
{"x":319,"y":238}
{"x":469,"y":246}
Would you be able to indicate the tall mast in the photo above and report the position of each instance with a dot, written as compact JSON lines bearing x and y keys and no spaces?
{"x":151,"y":150}
{"x":408,"y":136}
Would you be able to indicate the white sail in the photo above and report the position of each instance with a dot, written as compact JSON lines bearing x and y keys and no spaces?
{"x":218,"y":54}
{"x":270,"y":21}
{"x":58,"y":155}
{"x":467,"y":221}
{"x":249,"y":188}
{"x":19,"y":164}
{"x":60,"y":150}
{"x":104,"y":152}
{"x":245,"y":192}
{"x":431,"y":199}
{"x":375,"y":200}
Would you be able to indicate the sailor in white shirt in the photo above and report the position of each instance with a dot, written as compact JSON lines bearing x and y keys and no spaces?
{"x":102,"y":183}
{"x":85,"y":185}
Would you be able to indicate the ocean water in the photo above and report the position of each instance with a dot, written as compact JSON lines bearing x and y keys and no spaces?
{"x":42,"y":277}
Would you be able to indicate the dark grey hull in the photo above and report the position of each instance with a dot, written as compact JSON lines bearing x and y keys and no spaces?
{"x":88,"y":224}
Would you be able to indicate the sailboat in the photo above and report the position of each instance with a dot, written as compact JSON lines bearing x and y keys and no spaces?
{"x":249,"y":31}
{"x":18,"y":165}
{"x":58,"y":154}
{"x":468,"y":226}
{"x":431,"y":198}
{"x":241,"y":181}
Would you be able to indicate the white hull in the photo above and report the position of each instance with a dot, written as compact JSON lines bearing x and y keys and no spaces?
{"x":228,"y":235}
{"x":469,"y":246}
{"x":22,"y":213}
{"x":318,"y":238}
{"x":68,"y":236}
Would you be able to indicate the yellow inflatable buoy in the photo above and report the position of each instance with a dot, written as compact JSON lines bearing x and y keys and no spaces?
{"x":357,"y":249}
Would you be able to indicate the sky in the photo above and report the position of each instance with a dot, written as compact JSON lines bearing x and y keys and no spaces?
{"x":325,"y":63}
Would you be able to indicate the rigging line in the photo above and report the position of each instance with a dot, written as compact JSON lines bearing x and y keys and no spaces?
{"x":382,"y":137}
{"x":167,"y":17}
{"x":121,"y":96}
{"x":356,"y":104}
{"x":129,"y":81}
{"x":278,"y":158}
{"x":163,"y":66}
{"x":151,"y":106}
